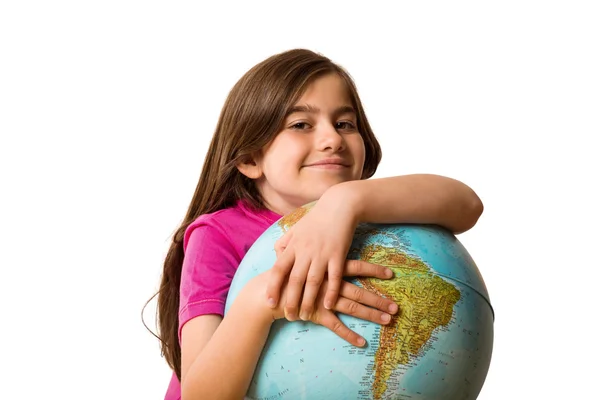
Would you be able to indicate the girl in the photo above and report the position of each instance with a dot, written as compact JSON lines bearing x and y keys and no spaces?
{"x":292,"y":131}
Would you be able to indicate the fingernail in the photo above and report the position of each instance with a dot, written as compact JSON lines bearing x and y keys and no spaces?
{"x":361,"y":342}
{"x":303,"y":316}
{"x":393,"y":308}
{"x":386,"y":317}
{"x":328,"y":304}
{"x":271,"y":302}
{"x":389,"y":273}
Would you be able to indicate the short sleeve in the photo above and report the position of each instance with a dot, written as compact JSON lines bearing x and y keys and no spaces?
{"x":209,"y":265}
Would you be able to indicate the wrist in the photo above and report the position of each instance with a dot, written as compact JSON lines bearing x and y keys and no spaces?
{"x":253,"y":300}
{"x":350,"y":196}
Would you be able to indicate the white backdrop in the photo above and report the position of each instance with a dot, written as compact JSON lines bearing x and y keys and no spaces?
{"x":107,"y":108}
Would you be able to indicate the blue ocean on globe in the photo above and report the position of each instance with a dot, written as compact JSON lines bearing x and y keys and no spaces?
{"x":438,"y":346}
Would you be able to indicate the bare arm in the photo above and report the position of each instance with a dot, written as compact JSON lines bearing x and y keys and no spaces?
{"x":218,"y":360}
{"x":419,"y":199}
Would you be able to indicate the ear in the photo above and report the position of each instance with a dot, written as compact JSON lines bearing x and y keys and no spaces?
{"x":250,"y":167}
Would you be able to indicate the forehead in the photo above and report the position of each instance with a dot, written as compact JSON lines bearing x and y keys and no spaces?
{"x":328,"y":94}
{"x":330,"y":86}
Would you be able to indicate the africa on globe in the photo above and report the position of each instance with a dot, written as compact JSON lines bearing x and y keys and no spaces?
{"x":438,"y":346}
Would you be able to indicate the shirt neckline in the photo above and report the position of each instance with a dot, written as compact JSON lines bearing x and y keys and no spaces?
{"x":263,"y":214}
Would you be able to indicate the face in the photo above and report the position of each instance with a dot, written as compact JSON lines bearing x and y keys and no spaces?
{"x":318,"y":147}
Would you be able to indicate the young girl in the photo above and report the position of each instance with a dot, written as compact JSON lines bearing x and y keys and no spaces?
{"x":292,"y":131}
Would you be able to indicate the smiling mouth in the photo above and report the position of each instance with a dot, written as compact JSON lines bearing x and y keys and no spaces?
{"x":331,"y":163}
{"x":328,"y":166}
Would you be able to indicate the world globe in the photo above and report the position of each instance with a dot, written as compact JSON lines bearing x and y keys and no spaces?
{"x":438,"y":345}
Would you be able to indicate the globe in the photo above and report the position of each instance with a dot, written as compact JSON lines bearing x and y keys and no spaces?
{"x":438,"y":346}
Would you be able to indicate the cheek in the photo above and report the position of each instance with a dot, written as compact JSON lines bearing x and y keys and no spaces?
{"x":285,"y":164}
{"x":293,"y":155}
{"x":291,"y":147}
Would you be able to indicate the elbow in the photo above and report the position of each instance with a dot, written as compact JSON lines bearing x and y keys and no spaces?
{"x":476,"y":209}
{"x":470,"y":212}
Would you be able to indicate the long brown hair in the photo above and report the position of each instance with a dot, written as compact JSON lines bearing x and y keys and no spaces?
{"x":251,"y":117}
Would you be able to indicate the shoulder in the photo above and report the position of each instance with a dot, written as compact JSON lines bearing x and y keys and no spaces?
{"x":218,"y":223}
{"x":238,"y":225}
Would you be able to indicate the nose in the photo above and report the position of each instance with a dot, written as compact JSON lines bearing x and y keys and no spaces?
{"x":328,"y":138}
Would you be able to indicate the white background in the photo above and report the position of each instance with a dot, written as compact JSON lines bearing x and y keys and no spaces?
{"x":107,"y":108}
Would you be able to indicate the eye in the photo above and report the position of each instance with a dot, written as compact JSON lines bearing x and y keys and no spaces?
{"x":300,"y":126}
{"x":346,"y":125}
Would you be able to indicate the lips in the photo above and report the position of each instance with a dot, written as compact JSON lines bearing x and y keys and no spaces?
{"x":330,"y":162}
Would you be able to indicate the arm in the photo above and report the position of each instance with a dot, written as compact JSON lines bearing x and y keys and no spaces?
{"x":419,"y":199}
{"x":313,"y":247}
{"x":217,"y":358}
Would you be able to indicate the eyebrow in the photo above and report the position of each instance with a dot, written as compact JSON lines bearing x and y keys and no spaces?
{"x":315,"y":110}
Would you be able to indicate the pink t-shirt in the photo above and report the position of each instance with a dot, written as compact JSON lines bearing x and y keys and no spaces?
{"x":214,"y":245}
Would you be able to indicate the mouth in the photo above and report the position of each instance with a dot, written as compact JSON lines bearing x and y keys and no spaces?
{"x":330,"y":164}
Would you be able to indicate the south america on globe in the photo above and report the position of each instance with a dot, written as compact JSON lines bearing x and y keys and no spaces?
{"x":438,"y":345}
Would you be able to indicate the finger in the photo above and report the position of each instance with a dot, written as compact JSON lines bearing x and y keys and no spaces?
{"x":282,"y":243}
{"x":334,"y":280}
{"x":330,"y":321}
{"x":350,"y":291}
{"x":278,"y":274}
{"x":349,"y":307}
{"x":312,"y":287}
{"x":363,"y":268}
{"x":294,"y":289}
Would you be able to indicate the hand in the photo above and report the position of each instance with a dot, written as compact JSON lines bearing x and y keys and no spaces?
{"x":353,"y":300}
{"x":315,"y":245}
